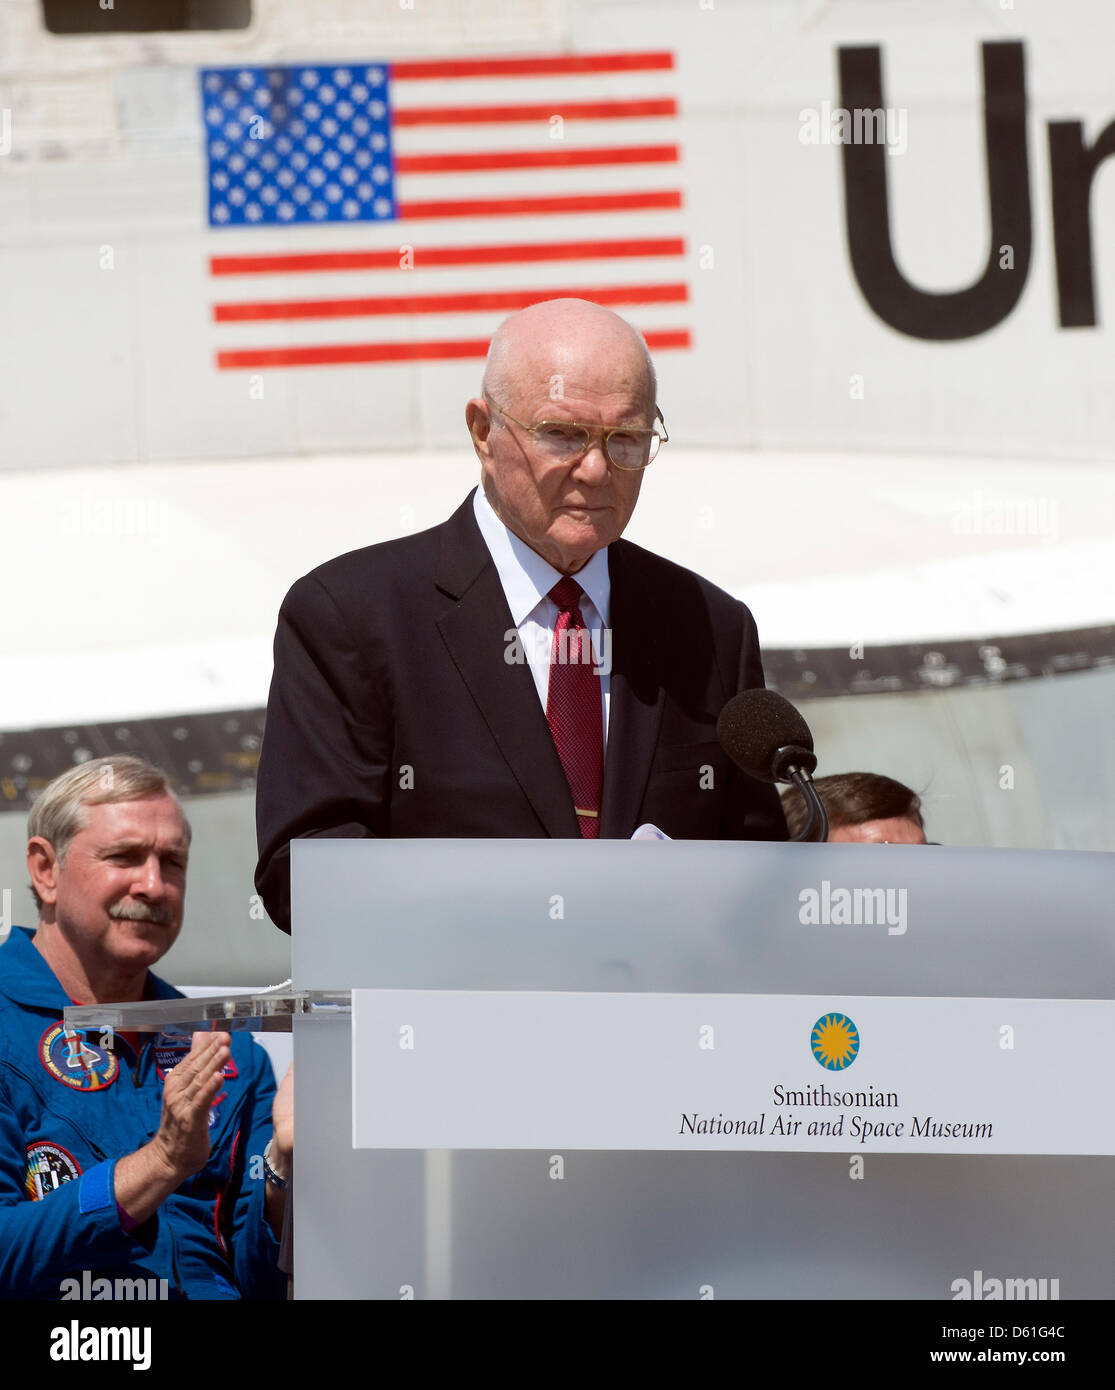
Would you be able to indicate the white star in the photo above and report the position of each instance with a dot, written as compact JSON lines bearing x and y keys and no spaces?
{"x":237,"y":162}
{"x":379,"y":142}
{"x":309,"y":78}
{"x":347,"y":175}
{"x":232,"y":131}
{"x":361,"y":125}
{"x":284,"y":178}
{"x":333,"y":192}
{"x":382,"y":207}
{"x":345,"y":109}
{"x":286,"y":211}
{"x":236,"y":196}
{"x":326,"y":94}
{"x":311,"y":111}
{"x":212,"y":82}
{"x":378,"y":110}
{"x":218,"y":149}
{"x":364,"y":191}
{"x":331,"y":159}
{"x":253,"y":212}
{"x":221,"y":213}
{"x":270,"y":161}
{"x":342,"y":77}
{"x":284,"y":144}
{"x":350,"y":208}
{"x":318,"y":209}
{"x":374,"y":76}
{"x":245,"y":79}
{"x":359,"y":93}
{"x":380,"y":174}
{"x":253,"y":178}
{"x":346,"y":143}
{"x":220,"y":180}
{"x":298,"y":160}
{"x":362,"y":159}
{"x":301,"y":194}
{"x":214,"y":115}
{"x":269,"y":195}
{"x":329,"y":127}
{"x":229,"y":99}
{"x":316,"y":177}
{"x":315,"y":144}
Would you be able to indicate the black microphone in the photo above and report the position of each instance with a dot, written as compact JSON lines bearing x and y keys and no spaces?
{"x":767,"y":738}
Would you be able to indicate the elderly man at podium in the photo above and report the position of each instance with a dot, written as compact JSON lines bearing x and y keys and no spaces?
{"x":131,"y":1165}
{"x":518,"y":670}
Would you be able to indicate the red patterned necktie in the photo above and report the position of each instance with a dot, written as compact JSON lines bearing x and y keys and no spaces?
{"x":573,"y":707}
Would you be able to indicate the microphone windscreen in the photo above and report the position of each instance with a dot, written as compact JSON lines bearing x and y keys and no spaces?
{"x":754,"y":725}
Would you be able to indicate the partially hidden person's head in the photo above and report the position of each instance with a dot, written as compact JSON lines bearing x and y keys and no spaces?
{"x":861,"y":806}
{"x":558,"y":366}
{"x":108,"y":845}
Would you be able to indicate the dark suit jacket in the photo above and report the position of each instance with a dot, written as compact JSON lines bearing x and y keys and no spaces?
{"x":394,"y":712}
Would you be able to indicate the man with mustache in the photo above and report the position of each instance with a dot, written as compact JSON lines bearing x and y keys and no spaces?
{"x":130,"y":1157}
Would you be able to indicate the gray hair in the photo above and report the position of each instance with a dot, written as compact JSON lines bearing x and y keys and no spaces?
{"x":61,"y":809}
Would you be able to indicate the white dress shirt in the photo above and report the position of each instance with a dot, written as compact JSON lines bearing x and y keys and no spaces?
{"x":527,"y":580}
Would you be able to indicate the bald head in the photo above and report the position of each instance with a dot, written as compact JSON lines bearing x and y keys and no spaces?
{"x":547,"y":343}
{"x":563,"y":361}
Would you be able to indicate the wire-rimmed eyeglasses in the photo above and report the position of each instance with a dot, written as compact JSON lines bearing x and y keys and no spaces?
{"x":565,"y":441}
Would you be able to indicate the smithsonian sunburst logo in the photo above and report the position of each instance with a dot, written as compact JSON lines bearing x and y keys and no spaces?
{"x":835,"y":1041}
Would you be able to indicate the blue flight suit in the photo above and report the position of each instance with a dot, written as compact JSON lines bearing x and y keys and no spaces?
{"x":70,"y":1107}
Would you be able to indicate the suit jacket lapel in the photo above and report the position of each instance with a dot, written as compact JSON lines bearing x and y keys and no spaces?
{"x":637,"y":694}
{"x":475,"y":633}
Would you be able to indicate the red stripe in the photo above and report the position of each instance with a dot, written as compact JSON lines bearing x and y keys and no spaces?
{"x":521,"y":207}
{"x":534,"y":159}
{"x":354,"y":352}
{"x":668,"y":338}
{"x":428,"y":257}
{"x":443,"y":350}
{"x":473,"y":302}
{"x":534,"y":111}
{"x":526,"y":67}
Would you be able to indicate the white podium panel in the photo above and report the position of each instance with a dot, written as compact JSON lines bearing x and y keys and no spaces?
{"x":495,"y":949}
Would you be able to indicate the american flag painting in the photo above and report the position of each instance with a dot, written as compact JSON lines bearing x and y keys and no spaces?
{"x":392,"y":212}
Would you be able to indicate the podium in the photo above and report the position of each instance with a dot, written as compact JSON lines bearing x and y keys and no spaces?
{"x":597,"y":1070}
{"x":434,"y":926}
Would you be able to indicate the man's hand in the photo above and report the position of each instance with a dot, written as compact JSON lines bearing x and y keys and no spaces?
{"x":282,"y":1150}
{"x":180,"y":1147}
{"x":282,"y":1117}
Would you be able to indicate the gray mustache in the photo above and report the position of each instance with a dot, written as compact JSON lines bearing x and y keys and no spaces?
{"x":141,"y":912}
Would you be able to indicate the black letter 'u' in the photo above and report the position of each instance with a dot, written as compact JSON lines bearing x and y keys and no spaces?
{"x":958,"y":313}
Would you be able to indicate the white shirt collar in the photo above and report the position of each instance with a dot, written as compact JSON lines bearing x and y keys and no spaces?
{"x":526,"y":578}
